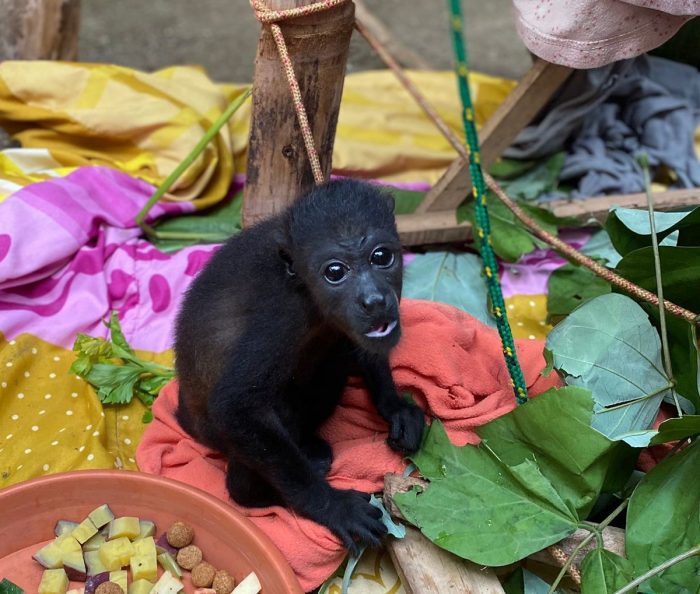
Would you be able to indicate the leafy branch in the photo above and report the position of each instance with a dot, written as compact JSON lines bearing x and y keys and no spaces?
{"x":115,"y":371}
{"x":695,"y":551}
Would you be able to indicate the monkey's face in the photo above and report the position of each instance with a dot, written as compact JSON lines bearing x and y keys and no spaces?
{"x":356,"y":284}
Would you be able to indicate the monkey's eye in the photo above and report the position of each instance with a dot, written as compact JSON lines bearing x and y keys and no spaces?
{"x":335,"y":272}
{"x":382,"y":257}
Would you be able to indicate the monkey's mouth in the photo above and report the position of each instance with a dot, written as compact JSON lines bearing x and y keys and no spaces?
{"x":381,"y":330}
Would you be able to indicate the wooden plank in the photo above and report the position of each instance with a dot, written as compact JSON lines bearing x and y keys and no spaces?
{"x":432,"y":227}
{"x":523,"y":103}
{"x":427,"y":569}
{"x":597,"y":208}
{"x":442,"y":226}
{"x":39,"y":29}
{"x":278,"y":168}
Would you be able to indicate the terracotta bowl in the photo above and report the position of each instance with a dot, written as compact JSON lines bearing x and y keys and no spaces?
{"x":29,"y":511}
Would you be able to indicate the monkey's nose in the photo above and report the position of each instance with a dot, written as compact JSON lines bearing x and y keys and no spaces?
{"x":373,"y":301}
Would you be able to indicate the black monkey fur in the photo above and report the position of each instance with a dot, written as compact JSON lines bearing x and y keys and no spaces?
{"x":266,"y":338}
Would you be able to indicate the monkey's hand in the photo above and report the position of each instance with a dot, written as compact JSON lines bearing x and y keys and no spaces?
{"x":354,"y":520}
{"x":406,"y":425}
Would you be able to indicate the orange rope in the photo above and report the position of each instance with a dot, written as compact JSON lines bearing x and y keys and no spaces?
{"x":271,"y":18}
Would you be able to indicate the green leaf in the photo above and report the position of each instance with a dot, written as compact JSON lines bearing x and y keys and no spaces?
{"x":610,"y":347}
{"x":147,"y":417}
{"x":7,"y":587}
{"x":629,"y":228}
{"x":573,"y":456}
{"x":406,"y":201}
{"x":675,"y":429}
{"x":449,"y":278}
{"x":518,"y":491}
{"x":540,"y":179}
{"x":507,"y":169}
{"x":571,"y":286}
{"x":685,"y":358}
{"x":680,"y":273}
{"x":214,"y":225}
{"x":114,"y":383}
{"x":509,"y":237}
{"x":116,"y":334}
{"x":599,"y":246}
{"x":604,"y":572}
{"x":663,"y":522}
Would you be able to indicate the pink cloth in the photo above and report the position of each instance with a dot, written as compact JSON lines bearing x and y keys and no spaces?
{"x":450,"y":363}
{"x":592,"y":33}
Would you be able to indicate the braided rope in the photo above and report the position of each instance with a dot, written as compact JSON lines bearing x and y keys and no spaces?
{"x":271,"y":18}
{"x":483,"y":223}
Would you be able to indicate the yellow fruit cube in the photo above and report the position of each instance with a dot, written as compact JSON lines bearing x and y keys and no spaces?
{"x":94,"y":563}
{"x":145,"y":546}
{"x":85,"y":530}
{"x":144,"y":567}
{"x":141,"y":587}
{"x":127,"y":526}
{"x":116,"y":553}
{"x":68,"y":543}
{"x":146,"y":529}
{"x":50,"y":556}
{"x":120,"y":578}
{"x":101,"y":516}
{"x":53,"y":581}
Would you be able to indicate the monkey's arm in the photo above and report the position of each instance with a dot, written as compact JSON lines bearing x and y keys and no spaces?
{"x":406,"y":422}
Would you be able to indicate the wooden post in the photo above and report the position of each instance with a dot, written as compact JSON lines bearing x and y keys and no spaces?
{"x":39,"y":29}
{"x":278,"y":169}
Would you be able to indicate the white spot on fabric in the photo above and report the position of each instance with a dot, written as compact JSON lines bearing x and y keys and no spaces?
{"x":54,"y":442}
{"x":127,"y":441}
{"x":35,"y":428}
{"x":14,"y":417}
{"x":69,"y":412}
{"x":91,"y":457}
{"x":47,"y":396}
{"x":45,"y":467}
{"x":20,"y":396}
{"x":28,"y":451}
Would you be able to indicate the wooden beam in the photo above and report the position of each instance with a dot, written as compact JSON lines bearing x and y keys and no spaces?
{"x":442,"y":226}
{"x":522,"y":104}
{"x":432,"y":227}
{"x":39,"y":29}
{"x":278,"y":168}
{"x":598,"y":207}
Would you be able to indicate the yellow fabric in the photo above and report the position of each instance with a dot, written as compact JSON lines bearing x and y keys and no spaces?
{"x":52,"y":421}
{"x":74,"y":114}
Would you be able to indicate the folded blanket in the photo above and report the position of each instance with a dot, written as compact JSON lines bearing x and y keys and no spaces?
{"x":450,"y":363}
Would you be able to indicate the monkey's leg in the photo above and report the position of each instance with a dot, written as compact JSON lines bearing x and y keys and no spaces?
{"x":406,"y":421}
{"x":259,"y":438}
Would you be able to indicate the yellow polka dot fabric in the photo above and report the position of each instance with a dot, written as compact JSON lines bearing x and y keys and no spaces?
{"x":52,"y":421}
{"x":374,"y":574}
{"x":527,"y":315}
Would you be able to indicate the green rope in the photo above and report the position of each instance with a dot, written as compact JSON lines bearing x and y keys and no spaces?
{"x":483,"y":225}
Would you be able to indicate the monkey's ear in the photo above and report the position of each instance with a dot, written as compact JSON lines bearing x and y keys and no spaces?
{"x":288,"y":262}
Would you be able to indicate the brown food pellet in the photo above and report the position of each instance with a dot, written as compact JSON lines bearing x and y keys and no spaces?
{"x":179,"y":535}
{"x":189,"y":556}
{"x":223,"y":582}
{"x":203,"y":575}
{"x":109,"y":588}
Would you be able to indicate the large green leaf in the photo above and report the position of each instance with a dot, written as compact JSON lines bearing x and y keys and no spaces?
{"x":685,"y":358}
{"x":449,"y":278}
{"x":571,"y":286}
{"x":604,"y":572}
{"x":680,"y":273}
{"x":629,"y":228}
{"x":663,"y":521}
{"x":675,"y":429}
{"x":610,"y":347}
{"x":519,"y":490}
{"x":540,"y":179}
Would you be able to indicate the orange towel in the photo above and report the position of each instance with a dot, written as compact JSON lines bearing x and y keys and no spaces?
{"x":453,"y":367}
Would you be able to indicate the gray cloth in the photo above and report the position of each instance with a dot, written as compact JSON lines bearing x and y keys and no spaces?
{"x":603,"y":118}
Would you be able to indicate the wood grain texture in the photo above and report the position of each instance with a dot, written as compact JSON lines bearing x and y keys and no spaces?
{"x":39,"y":29}
{"x":278,"y":169}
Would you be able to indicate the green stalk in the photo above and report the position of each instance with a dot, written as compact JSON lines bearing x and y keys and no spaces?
{"x":643,"y":160}
{"x":668,"y":386}
{"x":180,"y":169}
{"x":632,"y":586}
{"x":595,"y":533}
